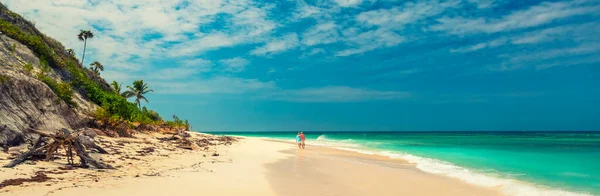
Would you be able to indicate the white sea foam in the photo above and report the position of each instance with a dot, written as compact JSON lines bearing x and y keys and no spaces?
{"x":434,"y":166}
{"x":321,"y":137}
{"x":438,"y":167}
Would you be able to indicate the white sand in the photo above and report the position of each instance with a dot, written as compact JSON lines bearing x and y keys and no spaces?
{"x":249,"y":167}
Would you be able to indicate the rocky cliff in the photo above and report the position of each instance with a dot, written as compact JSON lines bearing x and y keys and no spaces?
{"x":35,"y":82}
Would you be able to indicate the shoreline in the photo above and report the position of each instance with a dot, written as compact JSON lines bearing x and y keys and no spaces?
{"x":322,"y":170}
{"x":249,"y":166}
{"x":505,"y":186}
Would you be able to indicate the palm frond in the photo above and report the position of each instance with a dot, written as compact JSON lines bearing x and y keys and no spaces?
{"x":145,"y":99}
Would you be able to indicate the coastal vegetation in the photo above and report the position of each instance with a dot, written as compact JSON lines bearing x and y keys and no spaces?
{"x":71,"y":52}
{"x":73,"y":77}
{"x":96,"y":67}
{"x":116,"y":87}
{"x":138,"y":90}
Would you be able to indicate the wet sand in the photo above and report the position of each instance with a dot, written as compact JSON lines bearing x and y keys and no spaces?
{"x":326,"y":171}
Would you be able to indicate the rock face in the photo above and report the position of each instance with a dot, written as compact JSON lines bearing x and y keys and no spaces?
{"x":26,"y":102}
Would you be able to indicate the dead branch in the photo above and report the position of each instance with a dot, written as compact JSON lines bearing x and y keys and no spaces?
{"x":25,"y":155}
{"x":67,"y":140}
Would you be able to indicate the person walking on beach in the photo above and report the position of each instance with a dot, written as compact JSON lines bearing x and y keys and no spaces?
{"x":302,"y":139}
{"x":299,"y":140}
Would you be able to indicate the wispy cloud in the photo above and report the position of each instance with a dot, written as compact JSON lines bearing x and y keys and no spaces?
{"x":277,"y":45}
{"x":408,"y":13}
{"x":482,"y":4}
{"x":544,"y":59}
{"x":129,"y":34}
{"x":202,"y":47}
{"x":361,"y":42}
{"x":226,"y":85}
{"x":533,"y":16}
{"x":578,"y":33}
{"x":323,"y":33}
{"x":348,"y":3}
{"x":336,"y":94}
{"x":312,"y":52}
{"x":589,"y":60}
{"x":384,"y":26}
{"x":479,"y":46}
{"x":203,"y":43}
{"x":235,"y":65}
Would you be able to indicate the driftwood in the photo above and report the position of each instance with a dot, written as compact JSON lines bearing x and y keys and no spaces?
{"x":69,"y":141}
{"x":25,"y":155}
{"x":87,"y":139}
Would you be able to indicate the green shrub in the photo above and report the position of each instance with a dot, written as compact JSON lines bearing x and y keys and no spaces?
{"x":102,"y":114}
{"x":28,"y":67}
{"x":34,"y":42}
{"x":152,"y":115}
{"x":61,"y":89}
{"x":44,"y":66}
{"x":176,"y":123}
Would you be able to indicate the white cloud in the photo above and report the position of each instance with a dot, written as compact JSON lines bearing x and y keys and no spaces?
{"x":277,"y":45}
{"x":489,"y":44}
{"x":336,"y":94}
{"x":304,"y":10}
{"x":482,"y":4}
{"x":385,"y":25}
{"x":581,"y":61}
{"x":567,"y":56}
{"x":348,"y":3}
{"x":235,"y":65}
{"x":203,"y":43}
{"x":195,"y":62}
{"x":227,"y":85}
{"x":323,"y":33}
{"x":586,"y":32}
{"x":556,"y":53}
{"x":370,"y":40}
{"x":111,"y":75}
{"x":578,"y":33}
{"x":533,"y":16}
{"x":397,"y":17}
{"x":312,"y":52}
{"x":252,"y":23}
{"x":129,"y":34}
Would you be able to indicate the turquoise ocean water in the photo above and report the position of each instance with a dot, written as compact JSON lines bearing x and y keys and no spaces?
{"x":521,"y":163}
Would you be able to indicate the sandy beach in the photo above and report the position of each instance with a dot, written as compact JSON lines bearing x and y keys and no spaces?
{"x":249,"y":166}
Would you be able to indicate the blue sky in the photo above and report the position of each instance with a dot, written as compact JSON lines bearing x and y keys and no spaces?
{"x":346,"y":65}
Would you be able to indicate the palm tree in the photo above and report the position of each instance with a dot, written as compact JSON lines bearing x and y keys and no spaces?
{"x":70,"y":52}
{"x":138,"y":90}
{"x":116,"y":87}
{"x":83,"y":36}
{"x":96,"y":67}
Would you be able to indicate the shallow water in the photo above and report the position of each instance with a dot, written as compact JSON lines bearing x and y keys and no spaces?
{"x":521,"y":163}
